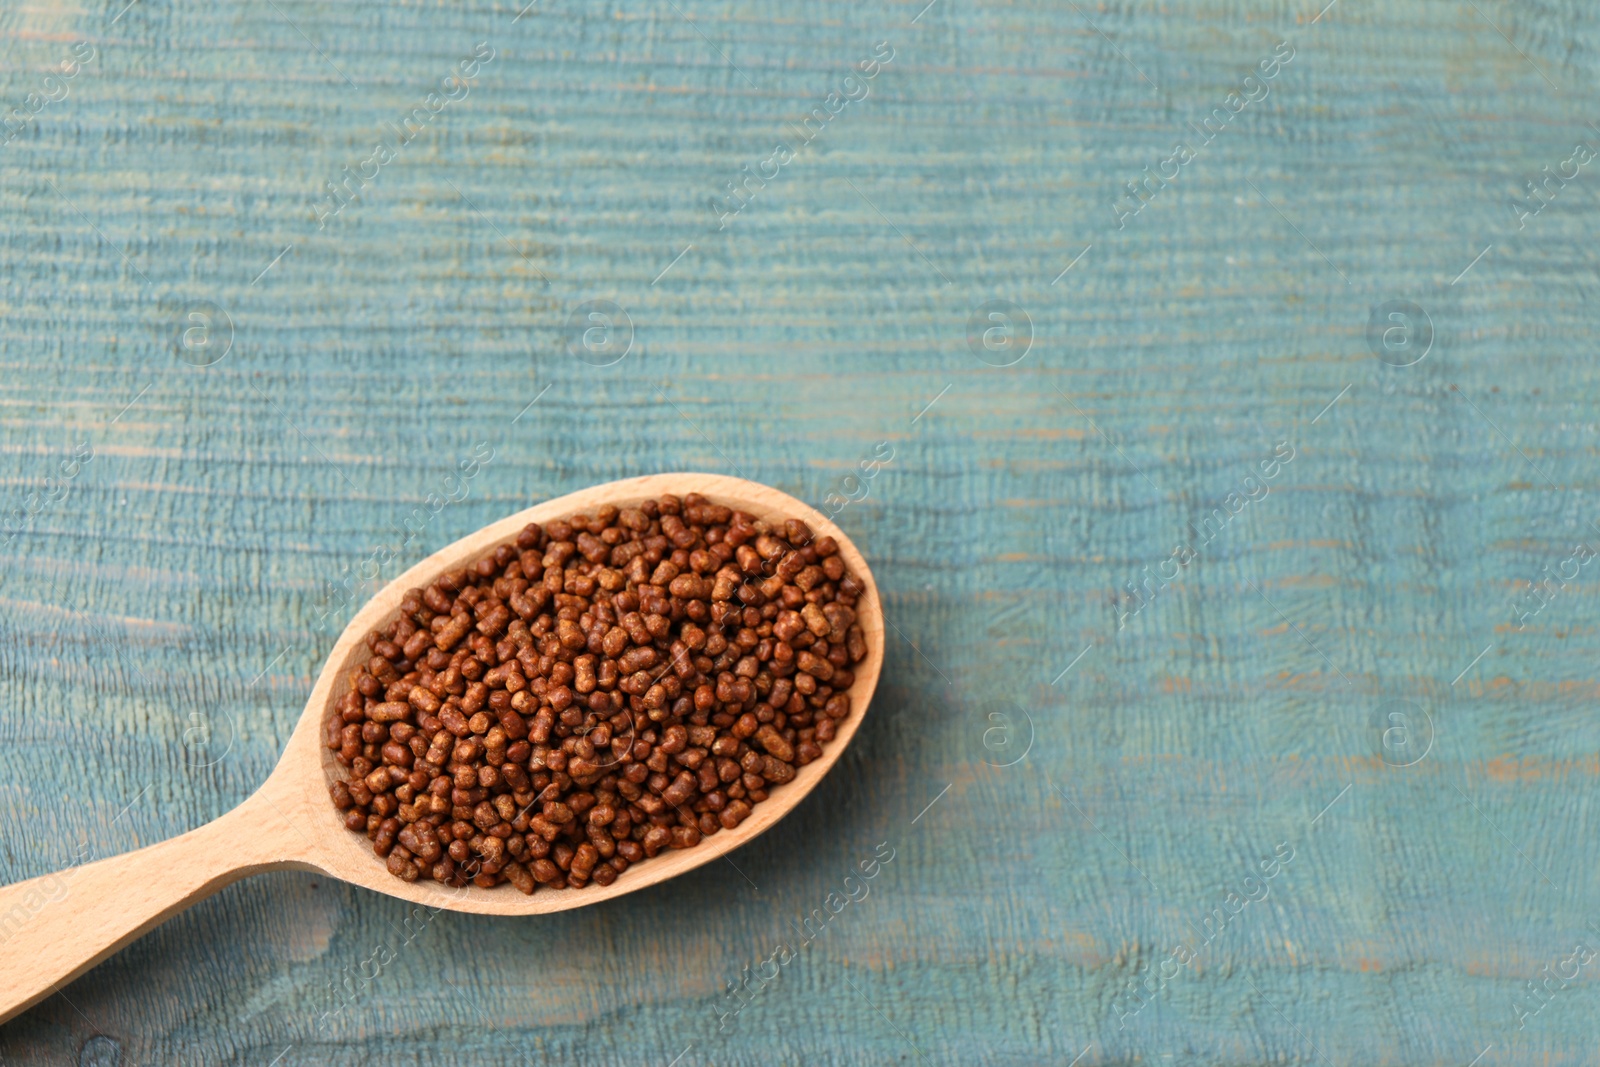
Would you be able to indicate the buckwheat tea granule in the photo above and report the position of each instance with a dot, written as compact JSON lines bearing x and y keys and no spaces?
{"x":605,"y":687}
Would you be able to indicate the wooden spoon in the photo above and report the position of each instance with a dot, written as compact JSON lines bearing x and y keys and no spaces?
{"x":55,"y":927}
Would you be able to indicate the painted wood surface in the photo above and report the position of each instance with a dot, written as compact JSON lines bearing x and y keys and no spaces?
{"x":289,"y":823}
{"x":244,"y":390}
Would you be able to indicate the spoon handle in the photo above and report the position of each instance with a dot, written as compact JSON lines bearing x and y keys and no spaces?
{"x":55,"y":927}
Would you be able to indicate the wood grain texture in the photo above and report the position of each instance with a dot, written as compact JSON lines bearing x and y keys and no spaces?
{"x":56,"y":926}
{"x":165,"y":617}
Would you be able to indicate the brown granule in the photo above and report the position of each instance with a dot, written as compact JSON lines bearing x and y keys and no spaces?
{"x":607,"y":686}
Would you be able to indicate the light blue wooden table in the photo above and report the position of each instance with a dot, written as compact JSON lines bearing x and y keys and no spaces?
{"x":1209,"y":538}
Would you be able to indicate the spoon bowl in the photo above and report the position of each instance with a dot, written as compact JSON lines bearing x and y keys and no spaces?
{"x":55,"y":927}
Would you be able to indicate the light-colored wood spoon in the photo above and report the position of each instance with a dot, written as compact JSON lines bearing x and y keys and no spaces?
{"x":55,"y":927}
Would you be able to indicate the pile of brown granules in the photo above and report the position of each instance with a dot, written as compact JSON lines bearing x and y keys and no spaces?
{"x":606,"y":687}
